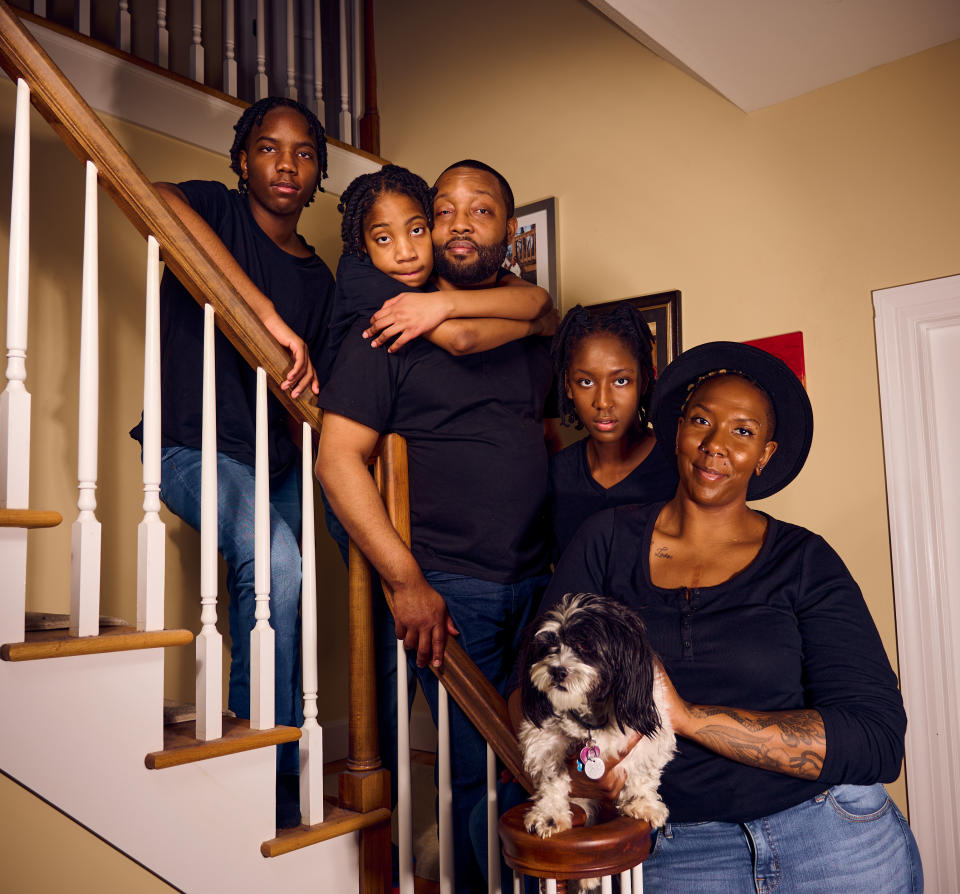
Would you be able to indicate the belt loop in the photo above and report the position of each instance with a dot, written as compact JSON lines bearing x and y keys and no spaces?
{"x":667,"y":831}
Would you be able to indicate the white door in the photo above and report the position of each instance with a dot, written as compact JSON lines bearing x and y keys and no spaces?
{"x":918,"y":353}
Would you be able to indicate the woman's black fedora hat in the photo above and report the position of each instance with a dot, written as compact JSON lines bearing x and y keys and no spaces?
{"x":794,"y":424}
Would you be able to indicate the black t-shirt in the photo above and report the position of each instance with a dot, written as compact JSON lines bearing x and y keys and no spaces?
{"x":477,"y":459}
{"x":790,"y":631}
{"x":575,"y":494}
{"x":300,"y":289}
{"x":360,"y":292}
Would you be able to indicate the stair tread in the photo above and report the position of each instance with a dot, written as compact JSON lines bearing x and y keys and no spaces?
{"x":339,"y":821}
{"x":180,"y":745}
{"x":41,"y":644}
{"x":29,"y":518}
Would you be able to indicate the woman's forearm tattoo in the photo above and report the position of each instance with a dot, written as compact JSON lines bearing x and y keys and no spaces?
{"x":791,"y":742}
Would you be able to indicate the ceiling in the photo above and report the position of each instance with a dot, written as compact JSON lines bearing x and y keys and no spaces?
{"x":760,"y":52}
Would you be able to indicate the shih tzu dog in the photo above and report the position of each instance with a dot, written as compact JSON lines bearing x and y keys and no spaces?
{"x":588,"y":682}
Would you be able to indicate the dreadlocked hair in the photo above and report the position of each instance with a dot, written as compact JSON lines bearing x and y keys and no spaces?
{"x":622,"y":321}
{"x":358,"y":198}
{"x":253,"y":117}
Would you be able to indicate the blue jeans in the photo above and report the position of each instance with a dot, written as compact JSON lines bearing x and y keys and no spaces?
{"x":180,"y":491}
{"x":851,"y":839}
{"x":491,"y":618}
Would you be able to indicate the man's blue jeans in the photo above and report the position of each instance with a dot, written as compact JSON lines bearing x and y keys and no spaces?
{"x":851,"y":839}
{"x":491,"y":618}
{"x":180,"y":491}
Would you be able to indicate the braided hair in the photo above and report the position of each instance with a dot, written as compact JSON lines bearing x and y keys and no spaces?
{"x":358,"y":198}
{"x":623,"y":321}
{"x":253,"y":117}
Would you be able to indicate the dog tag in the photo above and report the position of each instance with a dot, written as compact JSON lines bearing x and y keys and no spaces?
{"x":594,"y":768}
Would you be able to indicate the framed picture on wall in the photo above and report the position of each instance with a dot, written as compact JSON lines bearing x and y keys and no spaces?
{"x":532,"y":254}
{"x":662,"y":314}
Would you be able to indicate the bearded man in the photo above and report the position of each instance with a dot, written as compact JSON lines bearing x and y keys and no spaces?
{"x":478,"y":476}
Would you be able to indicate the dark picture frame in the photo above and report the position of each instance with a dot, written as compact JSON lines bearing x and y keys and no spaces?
{"x":661,"y":311}
{"x":532,"y":254}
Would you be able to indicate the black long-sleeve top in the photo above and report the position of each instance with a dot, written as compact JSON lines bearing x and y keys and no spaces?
{"x":789,"y":631}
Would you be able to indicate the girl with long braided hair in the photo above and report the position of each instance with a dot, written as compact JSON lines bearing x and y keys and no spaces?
{"x":603,"y":362}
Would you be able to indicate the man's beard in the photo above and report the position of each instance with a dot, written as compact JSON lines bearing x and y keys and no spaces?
{"x":461,"y":272}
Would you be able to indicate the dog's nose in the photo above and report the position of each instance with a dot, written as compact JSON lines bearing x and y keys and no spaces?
{"x":559,"y":674}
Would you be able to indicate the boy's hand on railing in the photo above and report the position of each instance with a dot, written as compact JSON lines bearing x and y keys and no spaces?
{"x":407,"y":316}
{"x":422,"y":621}
{"x":301,"y":376}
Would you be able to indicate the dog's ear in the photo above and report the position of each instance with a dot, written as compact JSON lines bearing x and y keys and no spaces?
{"x":633,"y":687}
{"x":535,"y":705}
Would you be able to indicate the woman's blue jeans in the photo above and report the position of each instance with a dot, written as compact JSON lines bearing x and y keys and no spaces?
{"x":851,"y":839}
{"x":180,"y":491}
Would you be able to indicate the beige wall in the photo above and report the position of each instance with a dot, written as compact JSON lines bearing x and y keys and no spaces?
{"x":780,"y":220}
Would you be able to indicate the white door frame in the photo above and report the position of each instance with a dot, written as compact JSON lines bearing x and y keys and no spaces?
{"x":918,"y":355}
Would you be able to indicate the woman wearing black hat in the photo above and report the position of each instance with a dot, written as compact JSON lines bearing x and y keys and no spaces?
{"x":790,"y":716}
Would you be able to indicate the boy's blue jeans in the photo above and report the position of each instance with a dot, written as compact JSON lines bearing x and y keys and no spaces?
{"x":180,"y":491}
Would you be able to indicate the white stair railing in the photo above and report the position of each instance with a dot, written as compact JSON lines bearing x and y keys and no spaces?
{"x":229,"y":48}
{"x":124,"y":26}
{"x":260,"y":88}
{"x":319,"y":106}
{"x":404,"y":789}
{"x":85,"y":534}
{"x":209,"y":640}
{"x":311,"y":734}
{"x":162,"y":36}
{"x":291,"y":91}
{"x":346,"y":119}
{"x":262,"y":638}
{"x":15,"y":399}
{"x":151,"y":532}
{"x":445,"y":791}
{"x":196,"y":43}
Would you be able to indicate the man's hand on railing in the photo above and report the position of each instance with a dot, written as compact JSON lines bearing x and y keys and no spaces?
{"x":422,"y":621}
{"x":301,"y":376}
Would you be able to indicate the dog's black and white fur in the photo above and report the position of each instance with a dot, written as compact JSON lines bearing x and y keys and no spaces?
{"x":587,"y":673}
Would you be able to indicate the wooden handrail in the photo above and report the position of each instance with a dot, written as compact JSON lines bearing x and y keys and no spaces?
{"x":87,"y":137}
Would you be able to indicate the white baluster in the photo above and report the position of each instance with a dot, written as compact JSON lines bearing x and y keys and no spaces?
{"x":39,"y":7}
{"x":81,"y":17}
{"x":638,"y":879}
{"x":291,"y":54}
{"x":318,"y":63}
{"x":229,"y":47}
{"x":493,"y":839}
{"x":196,"y":44}
{"x":85,"y":535}
{"x":209,"y":640}
{"x":550,"y":886}
{"x":163,"y":35}
{"x":123,"y":25}
{"x":517,"y":883}
{"x":606,"y":885}
{"x":346,"y":120}
{"x":15,"y":399}
{"x":311,"y":735}
{"x":262,"y":636}
{"x":260,"y":86}
{"x":404,"y":792}
{"x":444,"y":791}
{"x":357,"y":53}
{"x":151,"y":539}
{"x":626,"y":886}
